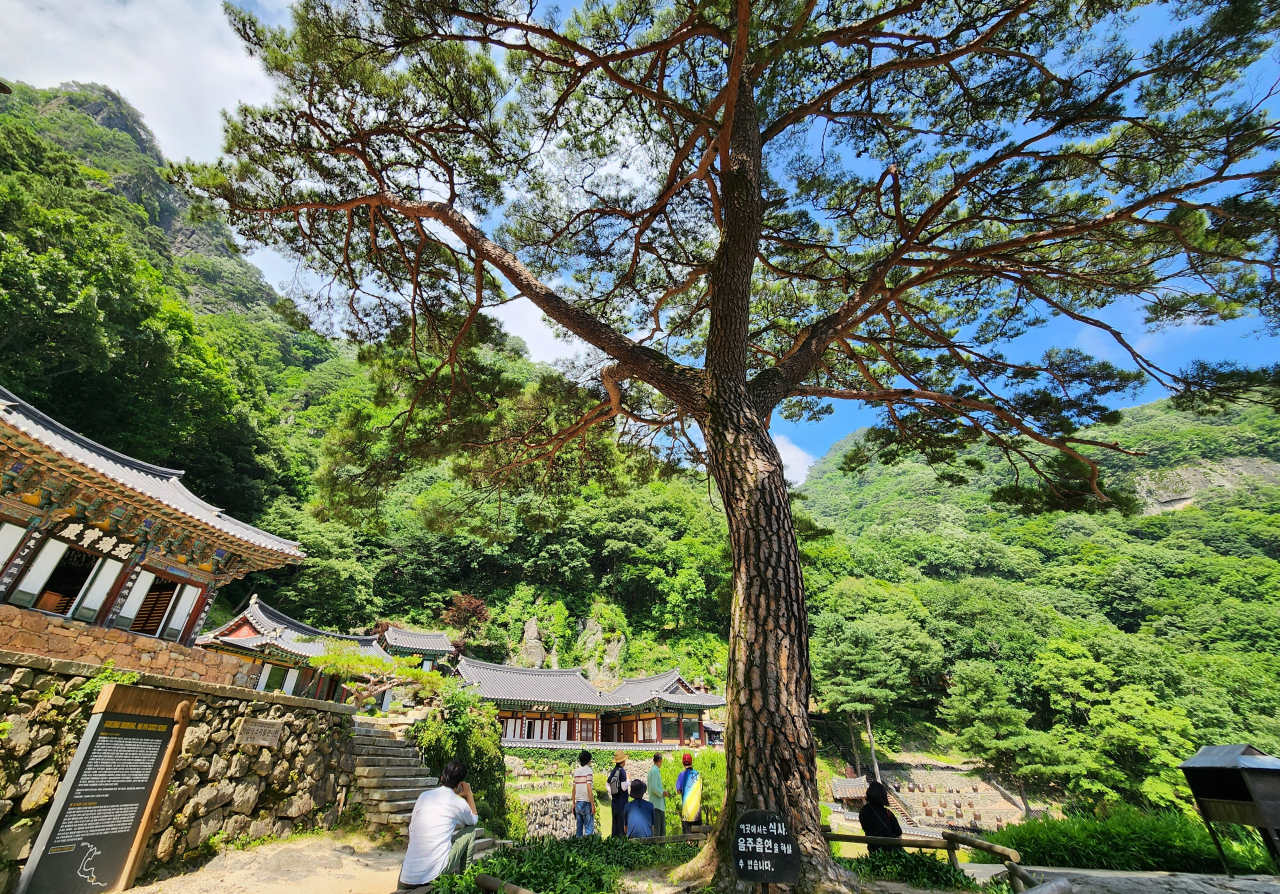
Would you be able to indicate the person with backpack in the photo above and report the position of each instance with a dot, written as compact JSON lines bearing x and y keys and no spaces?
{"x":584,"y":798}
{"x":616,"y":782}
{"x":689,"y":787}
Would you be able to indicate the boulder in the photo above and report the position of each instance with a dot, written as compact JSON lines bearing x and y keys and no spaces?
{"x":40,"y":793}
{"x":164,"y":848}
{"x":236,"y":826}
{"x":244,"y":797}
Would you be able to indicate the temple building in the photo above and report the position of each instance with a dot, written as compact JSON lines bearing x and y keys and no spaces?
{"x":430,"y":647}
{"x":544,"y":707}
{"x":95,"y":536}
{"x":284,"y":647}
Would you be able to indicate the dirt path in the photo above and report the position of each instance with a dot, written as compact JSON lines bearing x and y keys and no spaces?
{"x":329,"y":864}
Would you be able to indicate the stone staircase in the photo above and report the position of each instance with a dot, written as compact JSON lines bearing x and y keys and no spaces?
{"x":390,"y":776}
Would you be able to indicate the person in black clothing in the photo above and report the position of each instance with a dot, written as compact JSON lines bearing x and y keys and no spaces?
{"x":616,"y":782}
{"x":877,"y":819}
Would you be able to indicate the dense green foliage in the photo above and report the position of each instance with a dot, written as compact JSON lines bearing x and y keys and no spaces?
{"x":467,"y":729}
{"x":1114,"y":644}
{"x":1126,"y":839}
{"x":916,"y":869}
{"x":591,"y":865}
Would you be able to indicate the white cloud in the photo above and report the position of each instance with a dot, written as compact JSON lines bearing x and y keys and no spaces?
{"x":177,"y":61}
{"x":521,"y":317}
{"x":795,"y":461}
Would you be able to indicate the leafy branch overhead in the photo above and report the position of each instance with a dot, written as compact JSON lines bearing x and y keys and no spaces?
{"x":367,"y":677}
{"x":907,"y":187}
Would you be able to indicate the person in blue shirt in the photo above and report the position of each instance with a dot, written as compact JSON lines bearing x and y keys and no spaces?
{"x":638,"y":818}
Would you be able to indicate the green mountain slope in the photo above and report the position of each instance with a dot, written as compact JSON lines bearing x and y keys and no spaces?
{"x":1161,"y":630}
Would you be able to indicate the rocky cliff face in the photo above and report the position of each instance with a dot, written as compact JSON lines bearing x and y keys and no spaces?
{"x":1170,"y":489}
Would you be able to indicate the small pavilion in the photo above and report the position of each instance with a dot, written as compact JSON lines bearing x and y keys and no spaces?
{"x":92,"y":535}
{"x":431,"y":647}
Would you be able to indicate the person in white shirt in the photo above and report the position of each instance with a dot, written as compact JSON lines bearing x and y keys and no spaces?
{"x":584,"y":798}
{"x":441,"y":832}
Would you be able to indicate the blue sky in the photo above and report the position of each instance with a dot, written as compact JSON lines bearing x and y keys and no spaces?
{"x":180,"y":64}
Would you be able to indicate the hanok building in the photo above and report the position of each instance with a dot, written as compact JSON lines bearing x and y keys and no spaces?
{"x":98,"y":537}
{"x":284,"y":647}
{"x":539,"y":707}
{"x":430,"y":647}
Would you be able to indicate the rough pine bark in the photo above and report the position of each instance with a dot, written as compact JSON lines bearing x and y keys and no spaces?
{"x":770,"y":757}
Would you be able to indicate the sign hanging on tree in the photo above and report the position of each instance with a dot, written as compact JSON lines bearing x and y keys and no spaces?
{"x":764,"y":850}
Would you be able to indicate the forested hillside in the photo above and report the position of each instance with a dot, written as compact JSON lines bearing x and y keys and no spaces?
{"x":1104,"y":647}
{"x":1126,"y":640}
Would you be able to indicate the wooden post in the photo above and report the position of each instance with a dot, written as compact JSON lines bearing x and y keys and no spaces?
{"x":953,"y":857}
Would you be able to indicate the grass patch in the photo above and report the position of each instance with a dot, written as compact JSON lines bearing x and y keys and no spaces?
{"x":1128,"y":839}
{"x":589,"y":865}
{"x":918,"y":870}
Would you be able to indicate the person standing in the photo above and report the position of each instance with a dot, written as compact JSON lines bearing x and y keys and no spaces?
{"x":689,"y":787}
{"x":617,"y":785}
{"x":442,"y":831}
{"x":657,"y":797}
{"x":584,"y":798}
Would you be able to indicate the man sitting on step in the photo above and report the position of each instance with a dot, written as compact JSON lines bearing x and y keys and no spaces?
{"x":441,"y":832}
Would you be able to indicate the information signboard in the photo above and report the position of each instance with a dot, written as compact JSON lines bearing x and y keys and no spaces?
{"x":764,"y":850}
{"x":102,"y":813}
{"x":260,"y":732}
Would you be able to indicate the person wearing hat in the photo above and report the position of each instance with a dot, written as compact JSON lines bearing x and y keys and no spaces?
{"x":689,"y":788}
{"x":616,"y":782}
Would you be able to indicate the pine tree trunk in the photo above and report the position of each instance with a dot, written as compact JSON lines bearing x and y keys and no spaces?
{"x":871,"y":740}
{"x":1022,"y":793}
{"x":769,"y":749}
{"x":855,"y":742}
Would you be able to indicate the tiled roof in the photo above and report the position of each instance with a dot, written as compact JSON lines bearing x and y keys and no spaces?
{"x":667,"y":688}
{"x":848,"y":788}
{"x":422,"y":643}
{"x":156,"y":482}
{"x":276,"y":630}
{"x":535,"y":686}
{"x":542,"y":686}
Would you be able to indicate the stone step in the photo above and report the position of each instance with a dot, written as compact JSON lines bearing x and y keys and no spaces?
{"x":369,"y":751}
{"x":396,"y":783}
{"x":363,"y":741}
{"x":394,"y":794}
{"x":363,"y":761}
{"x":482,"y":844}
{"x":418,"y":772}
{"x":391,"y":806}
{"x":373,"y":732}
{"x":388,"y":819}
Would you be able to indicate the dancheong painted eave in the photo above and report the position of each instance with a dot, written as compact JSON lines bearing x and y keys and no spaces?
{"x":153,"y":490}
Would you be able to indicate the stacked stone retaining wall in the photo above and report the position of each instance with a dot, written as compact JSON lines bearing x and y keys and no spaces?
{"x":217,"y":786}
{"x":551,"y":815}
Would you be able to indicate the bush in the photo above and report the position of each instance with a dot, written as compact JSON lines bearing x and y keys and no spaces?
{"x":467,"y":729}
{"x":591,"y":865}
{"x":1128,"y":839}
{"x":915,"y":869}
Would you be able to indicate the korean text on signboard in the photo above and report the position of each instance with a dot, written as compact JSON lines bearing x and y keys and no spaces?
{"x":764,"y":850}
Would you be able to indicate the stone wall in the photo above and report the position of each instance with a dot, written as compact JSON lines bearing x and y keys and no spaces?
{"x":35,"y":633}
{"x":217,"y":786}
{"x":551,"y":815}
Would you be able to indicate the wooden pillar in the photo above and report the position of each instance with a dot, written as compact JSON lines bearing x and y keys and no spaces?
{"x":199,"y":614}
{"x":37,"y":531}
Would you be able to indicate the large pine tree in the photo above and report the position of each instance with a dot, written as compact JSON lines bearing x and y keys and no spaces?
{"x":752,"y":208}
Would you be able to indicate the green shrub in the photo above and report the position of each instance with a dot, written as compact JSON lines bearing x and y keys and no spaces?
{"x":591,"y":865}
{"x":915,"y":869}
{"x":1128,"y":839}
{"x":87,"y":693}
{"x":467,"y":729}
